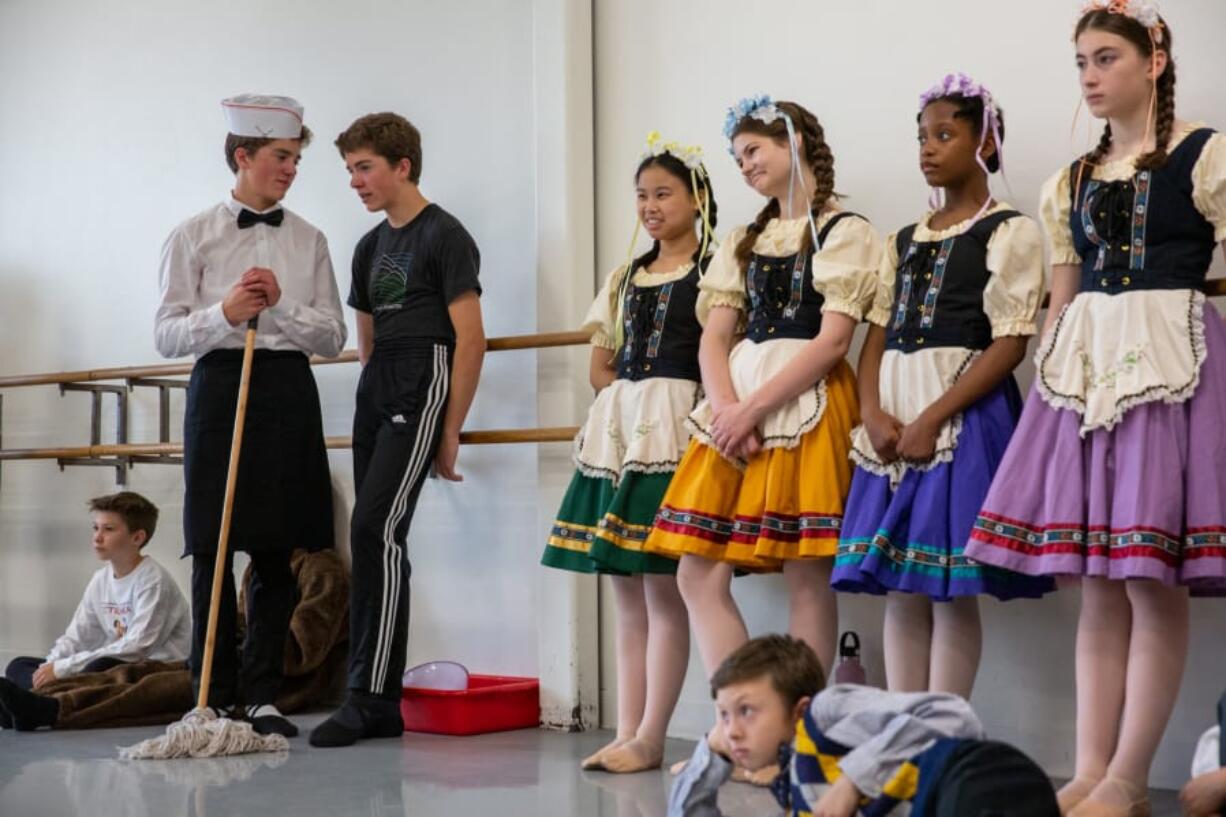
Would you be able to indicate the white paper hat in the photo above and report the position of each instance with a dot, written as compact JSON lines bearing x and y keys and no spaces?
{"x":270,"y":117}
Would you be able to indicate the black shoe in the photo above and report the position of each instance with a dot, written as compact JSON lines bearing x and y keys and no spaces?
{"x":359,"y":718}
{"x":266,"y":719}
{"x":27,"y":710}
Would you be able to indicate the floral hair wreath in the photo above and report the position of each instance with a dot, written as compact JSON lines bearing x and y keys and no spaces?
{"x":1144,"y":12}
{"x":960,"y":84}
{"x":760,"y":107}
{"x":688,"y":155}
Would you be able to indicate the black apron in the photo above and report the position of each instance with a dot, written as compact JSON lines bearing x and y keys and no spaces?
{"x":283,"y":499}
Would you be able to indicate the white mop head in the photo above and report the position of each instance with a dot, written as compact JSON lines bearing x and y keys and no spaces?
{"x":201,"y":733}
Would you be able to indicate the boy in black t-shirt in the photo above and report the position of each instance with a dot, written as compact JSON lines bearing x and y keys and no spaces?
{"x":421,"y":343}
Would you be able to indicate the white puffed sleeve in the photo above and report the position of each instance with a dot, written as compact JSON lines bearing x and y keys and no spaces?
{"x":602,"y":313}
{"x":845,"y":269}
{"x":1209,"y":184}
{"x":1014,"y":291}
{"x":883,"y":300}
{"x":723,"y":283}
{"x":1055,"y":208}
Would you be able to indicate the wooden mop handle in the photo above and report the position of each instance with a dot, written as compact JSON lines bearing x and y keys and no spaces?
{"x":227,"y":511}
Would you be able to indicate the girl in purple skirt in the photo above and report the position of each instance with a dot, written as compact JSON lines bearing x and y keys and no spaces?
{"x":957,"y":300}
{"x":1117,"y":473}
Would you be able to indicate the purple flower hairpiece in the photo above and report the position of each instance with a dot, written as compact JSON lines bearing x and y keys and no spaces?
{"x":962,"y":85}
{"x":958,"y":84}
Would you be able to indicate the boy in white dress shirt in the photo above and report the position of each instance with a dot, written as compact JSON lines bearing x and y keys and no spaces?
{"x":242,"y":259}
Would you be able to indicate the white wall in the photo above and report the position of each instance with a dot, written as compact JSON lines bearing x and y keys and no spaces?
{"x":112,"y":133}
{"x":860,"y":67}
{"x":568,"y":633}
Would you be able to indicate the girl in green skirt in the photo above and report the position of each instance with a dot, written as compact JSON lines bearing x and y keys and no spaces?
{"x":647,"y":378}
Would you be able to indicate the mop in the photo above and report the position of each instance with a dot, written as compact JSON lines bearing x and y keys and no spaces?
{"x":201,"y":732}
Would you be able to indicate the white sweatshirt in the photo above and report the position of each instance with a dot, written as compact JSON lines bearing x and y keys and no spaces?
{"x":142,"y":616}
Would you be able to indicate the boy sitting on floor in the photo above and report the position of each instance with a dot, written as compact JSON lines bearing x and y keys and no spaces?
{"x":132,"y":609}
{"x":852,"y":749}
{"x":146,"y":693}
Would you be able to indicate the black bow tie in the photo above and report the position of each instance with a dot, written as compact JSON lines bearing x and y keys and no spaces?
{"x":272,"y":218}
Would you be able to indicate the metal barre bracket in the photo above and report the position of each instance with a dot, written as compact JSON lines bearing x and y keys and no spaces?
{"x":163,"y":385}
{"x":97,"y":391}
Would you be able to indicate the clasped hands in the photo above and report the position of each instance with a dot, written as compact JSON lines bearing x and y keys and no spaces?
{"x":257,"y":290}
{"x":734,"y":429}
{"x":913,"y":442}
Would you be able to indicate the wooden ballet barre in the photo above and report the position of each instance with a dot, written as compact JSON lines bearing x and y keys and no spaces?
{"x":555,"y":434}
{"x":79,"y":452}
{"x":493,"y":436}
{"x":1214,"y":288}
{"x":542,"y":340}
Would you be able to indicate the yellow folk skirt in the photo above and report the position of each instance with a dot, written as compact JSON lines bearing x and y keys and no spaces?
{"x":786,"y":503}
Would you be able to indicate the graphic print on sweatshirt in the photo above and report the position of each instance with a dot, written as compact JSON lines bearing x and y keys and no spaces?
{"x":118,"y":614}
{"x":390,"y":281}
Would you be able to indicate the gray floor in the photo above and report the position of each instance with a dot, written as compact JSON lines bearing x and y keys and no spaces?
{"x":530,"y":772}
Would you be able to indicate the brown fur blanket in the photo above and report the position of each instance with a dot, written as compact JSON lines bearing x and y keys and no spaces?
{"x":152,"y":692}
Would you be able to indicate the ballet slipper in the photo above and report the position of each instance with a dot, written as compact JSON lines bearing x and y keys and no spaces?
{"x":592,"y":761}
{"x":1114,"y":797}
{"x":1074,"y":791}
{"x":632,"y":756}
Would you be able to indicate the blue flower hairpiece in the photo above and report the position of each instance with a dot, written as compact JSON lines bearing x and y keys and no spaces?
{"x":760,"y":107}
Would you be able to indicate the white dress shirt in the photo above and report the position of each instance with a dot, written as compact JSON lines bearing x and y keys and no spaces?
{"x":207,"y":254}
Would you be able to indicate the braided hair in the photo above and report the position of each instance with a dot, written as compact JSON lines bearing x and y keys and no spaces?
{"x":816,"y":154}
{"x":1136,"y":33}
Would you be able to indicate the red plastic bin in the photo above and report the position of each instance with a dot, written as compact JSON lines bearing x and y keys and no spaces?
{"x":492,"y":703}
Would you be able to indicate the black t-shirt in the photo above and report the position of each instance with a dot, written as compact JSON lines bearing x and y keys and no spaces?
{"x":405,"y":277}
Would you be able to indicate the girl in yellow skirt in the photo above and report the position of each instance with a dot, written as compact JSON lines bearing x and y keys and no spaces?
{"x":762,"y":484}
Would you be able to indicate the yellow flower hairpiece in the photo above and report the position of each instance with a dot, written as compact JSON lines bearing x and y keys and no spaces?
{"x":688,"y":155}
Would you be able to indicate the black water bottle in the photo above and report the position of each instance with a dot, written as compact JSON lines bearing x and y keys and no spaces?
{"x":849,"y":670}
